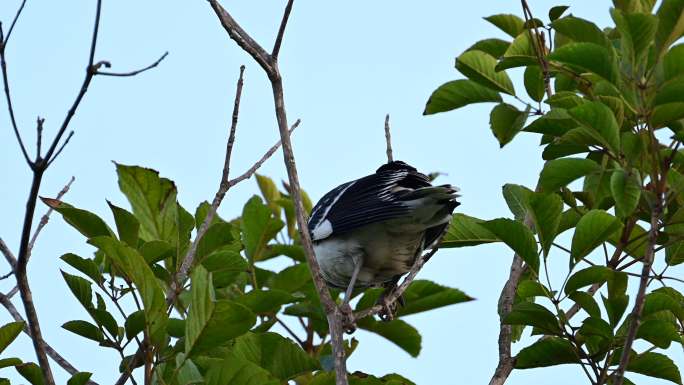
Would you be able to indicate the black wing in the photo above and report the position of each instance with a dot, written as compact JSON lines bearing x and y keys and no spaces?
{"x":374,"y":198}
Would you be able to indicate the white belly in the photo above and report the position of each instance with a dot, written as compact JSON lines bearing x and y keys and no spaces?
{"x":384,"y":255}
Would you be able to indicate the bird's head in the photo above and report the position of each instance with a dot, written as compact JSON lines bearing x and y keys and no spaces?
{"x":395,"y":166}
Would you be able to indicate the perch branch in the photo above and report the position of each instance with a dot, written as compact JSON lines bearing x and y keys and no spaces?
{"x":9,"y":256}
{"x":61,"y":361}
{"x":270,"y":65}
{"x":388,"y":139}
{"x":281,"y":30}
{"x":135,"y":72}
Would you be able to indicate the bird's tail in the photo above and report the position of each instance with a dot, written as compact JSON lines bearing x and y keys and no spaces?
{"x":432,"y":205}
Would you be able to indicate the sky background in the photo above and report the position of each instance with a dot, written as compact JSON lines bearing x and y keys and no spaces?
{"x":345,"y":65}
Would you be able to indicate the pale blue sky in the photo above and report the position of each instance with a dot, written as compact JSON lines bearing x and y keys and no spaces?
{"x":345,"y":64}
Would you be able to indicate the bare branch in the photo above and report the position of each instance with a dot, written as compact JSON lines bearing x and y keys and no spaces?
{"x":14,"y":22}
{"x":61,"y":361}
{"x":270,"y":66}
{"x":8,"y":97}
{"x":388,"y":139}
{"x":224,"y":185}
{"x":136,"y":72}
{"x":68,"y":138}
{"x":9,"y":256}
{"x":248,"y":174}
{"x":242,"y":38}
{"x":39,"y":135}
{"x":281,"y":30}
{"x":46,"y":217}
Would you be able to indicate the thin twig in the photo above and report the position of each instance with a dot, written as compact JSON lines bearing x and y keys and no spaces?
{"x":14,"y":22}
{"x":291,"y":333}
{"x":66,"y":141}
{"x":46,"y":217}
{"x":8,"y":97}
{"x":135,"y":72}
{"x":61,"y":361}
{"x":281,"y":30}
{"x":9,"y":256}
{"x":39,"y":135}
{"x":388,"y":139}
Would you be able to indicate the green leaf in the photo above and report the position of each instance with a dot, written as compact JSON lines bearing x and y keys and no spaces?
{"x":670,"y":23}
{"x":626,"y":190}
{"x":668,"y":103}
{"x":296,"y":252}
{"x":176,"y":327}
{"x":518,"y":237}
{"x":155,"y":251}
{"x":586,"y":302}
{"x":637,"y":31}
{"x":520,"y":53}
{"x":615,"y":308}
{"x":265,"y":301}
{"x":673,"y":62}
{"x":558,"y":173}
{"x":588,"y":57}
{"x":517,"y":198}
{"x":595,"y":326}
{"x":127,"y":225}
{"x":201,"y":213}
{"x":31,"y":372}
{"x":528,"y":288}
{"x":80,"y":378}
{"x":84,"y":329}
{"x":599,"y":119}
{"x":467,"y":231}
{"x":458,"y":93}
{"x":258,"y":227}
{"x":135,"y":323}
{"x":479,"y":67}
{"x":548,"y":351}
{"x":224,"y":265}
{"x":595,"y":227}
{"x":423,"y":295}
{"x":511,"y":24}
{"x":7,"y":362}
{"x":87,"y":223}
{"x":218,"y":235}
{"x":279,"y":355}
{"x":8,"y":333}
{"x":586,"y":277}
{"x":236,"y":371}
{"x":396,"y":331}
{"x":580,"y":31}
{"x":212,"y":323}
{"x":153,"y":200}
{"x":655,"y":365}
{"x":270,"y":193}
{"x":534,"y":83}
{"x":658,"y":301}
{"x":494,"y":47}
{"x":546,"y":210}
{"x":80,"y":288}
{"x":532,"y":314}
{"x":188,"y":373}
{"x":134,"y":266}
{"x":557,"y":11}
{"x":506,"y":121}
{"x":658,"y":332}
{"x":643,"y":6}
{"x":85,"y":266}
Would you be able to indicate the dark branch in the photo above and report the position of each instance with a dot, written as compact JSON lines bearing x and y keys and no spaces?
{"x":136,"y":72}
{"x":242,"y":38}
{"x":39,"y":135}
{"x":68,"y":138}
{"x":8,"y":97}
{"x":14,"y":22}
{"x":281,"y":30}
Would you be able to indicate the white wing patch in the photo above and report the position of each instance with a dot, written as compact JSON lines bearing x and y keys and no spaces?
{"x":322,"y":230}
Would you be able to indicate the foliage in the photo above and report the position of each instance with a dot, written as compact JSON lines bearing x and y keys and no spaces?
{"x":608,"y":105}
{"x":236,"y":321}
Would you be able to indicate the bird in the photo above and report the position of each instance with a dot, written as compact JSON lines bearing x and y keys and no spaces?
{"x":368,"y":232}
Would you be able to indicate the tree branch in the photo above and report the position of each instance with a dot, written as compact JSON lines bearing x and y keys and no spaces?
{"x":46,"y":217}
{"x":388,"y":139}
{"x":135,"y":72}
{"x":281,"y":30}
{"x":270,"y":66}
{"x":14,"y":22}
{"x":61,"y":361}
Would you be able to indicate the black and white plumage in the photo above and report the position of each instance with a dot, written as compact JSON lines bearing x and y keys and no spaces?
{"x":369,"y":231}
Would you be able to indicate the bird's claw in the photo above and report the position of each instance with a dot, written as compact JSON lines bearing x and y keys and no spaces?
{"x":348,"y":323}
{"x":388,"y":311}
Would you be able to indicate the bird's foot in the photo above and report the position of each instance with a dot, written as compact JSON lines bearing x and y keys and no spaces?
{"x":389,"y":309}
{"x":348,"y":323}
